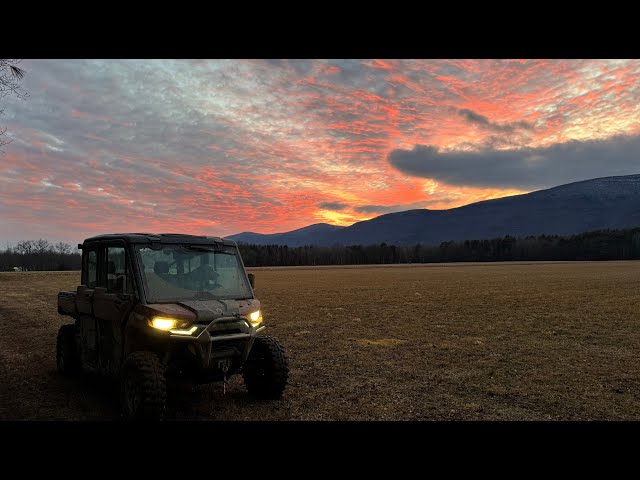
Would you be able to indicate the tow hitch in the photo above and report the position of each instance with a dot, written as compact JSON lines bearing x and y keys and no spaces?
{"x":224,"y":365}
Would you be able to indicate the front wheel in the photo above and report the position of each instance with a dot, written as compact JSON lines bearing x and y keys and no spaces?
{"x":266,"y":370}
{"x":143,"y":387}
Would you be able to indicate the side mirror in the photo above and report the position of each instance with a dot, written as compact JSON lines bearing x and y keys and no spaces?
{"x":252,"y":280}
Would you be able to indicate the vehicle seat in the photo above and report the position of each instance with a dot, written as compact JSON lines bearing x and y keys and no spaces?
{"x":120,"y":284}
{"x":161,"y":269}
{"x":111,"y":275}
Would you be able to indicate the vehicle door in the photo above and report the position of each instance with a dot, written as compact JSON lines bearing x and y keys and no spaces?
{"x":87,"y":333}
{"x":113,"y":303}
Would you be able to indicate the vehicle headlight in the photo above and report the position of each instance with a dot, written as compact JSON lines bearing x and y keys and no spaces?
{"x":177,"y":327}
{"x":164,"y":323}
{"x":255,"y":318}
{"x":184,"y":331}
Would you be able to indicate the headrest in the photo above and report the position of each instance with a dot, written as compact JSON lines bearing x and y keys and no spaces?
{"x":111,"y":266}
{"x":161,"y":267}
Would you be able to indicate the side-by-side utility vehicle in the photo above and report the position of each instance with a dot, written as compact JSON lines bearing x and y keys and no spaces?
{"x":154,"y":309}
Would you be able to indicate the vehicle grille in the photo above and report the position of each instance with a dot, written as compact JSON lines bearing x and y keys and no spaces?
{"x":229,"y":331}
{"x":231,"y":347}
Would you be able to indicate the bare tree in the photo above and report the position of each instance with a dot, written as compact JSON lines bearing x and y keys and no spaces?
{"x":62,"y":248}
{"x":10,"y":76}
{"x":39,"y":254}
{"x":41,"y":245}
{"x":25,"y":247}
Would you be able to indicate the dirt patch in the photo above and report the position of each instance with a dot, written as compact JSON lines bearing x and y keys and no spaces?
{"x":481,"y":342}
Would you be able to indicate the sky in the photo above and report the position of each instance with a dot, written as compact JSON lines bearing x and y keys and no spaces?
{"x":217,"y":147}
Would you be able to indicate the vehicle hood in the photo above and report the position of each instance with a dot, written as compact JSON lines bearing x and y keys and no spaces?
{"x":201,"y":310}
{"x":208,"y":310}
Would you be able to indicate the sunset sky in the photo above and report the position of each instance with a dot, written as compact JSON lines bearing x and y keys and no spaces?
{"x":218,"y":147}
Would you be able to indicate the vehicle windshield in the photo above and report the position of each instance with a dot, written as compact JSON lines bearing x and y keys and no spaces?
{"x":174,"y":273}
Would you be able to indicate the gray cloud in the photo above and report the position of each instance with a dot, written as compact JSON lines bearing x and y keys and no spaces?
{"x":525,"y":168}
{"x":474,"y":117}
{"x":333,"y":205}
{"x":380,"y":209}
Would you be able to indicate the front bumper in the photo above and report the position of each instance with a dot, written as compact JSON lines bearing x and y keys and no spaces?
{"x":225,"y":338}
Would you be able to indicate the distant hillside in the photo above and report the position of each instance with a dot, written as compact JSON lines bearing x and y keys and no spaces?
{"x":295,"y":238}
{"x":601,"y":203}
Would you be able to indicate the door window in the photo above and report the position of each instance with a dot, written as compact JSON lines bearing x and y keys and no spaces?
{"x":118,"y":278}
{"x":92,"y":269}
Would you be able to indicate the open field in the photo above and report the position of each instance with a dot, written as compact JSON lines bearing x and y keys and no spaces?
{"x":447,"y":341}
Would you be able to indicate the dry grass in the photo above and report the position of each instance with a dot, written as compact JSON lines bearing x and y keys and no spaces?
{"x":477,"y":342}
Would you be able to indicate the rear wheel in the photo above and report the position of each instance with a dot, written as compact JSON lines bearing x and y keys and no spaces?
{"x":67,"y":358}
{"x":266,"y":371}
{"x":144,"y":387}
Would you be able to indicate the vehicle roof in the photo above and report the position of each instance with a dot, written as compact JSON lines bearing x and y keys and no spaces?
{"x":162,"y":238}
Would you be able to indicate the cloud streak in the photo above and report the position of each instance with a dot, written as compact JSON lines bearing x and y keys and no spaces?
{"x":333,"y":205}
{"x":475,"y":118}
{"x":526,"y":168}
{"x":381,"y":209}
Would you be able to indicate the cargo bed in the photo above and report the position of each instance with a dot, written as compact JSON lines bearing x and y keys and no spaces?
{"x":67,"y":303}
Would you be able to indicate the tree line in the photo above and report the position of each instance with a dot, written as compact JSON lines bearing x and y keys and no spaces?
{"x":596,"y":245}
{"x":29,"y":255}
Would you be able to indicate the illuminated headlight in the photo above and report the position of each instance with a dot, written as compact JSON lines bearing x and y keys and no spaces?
{"x":185,"y":331}
{"x":164,"y":323}
{"x":255,"y":318}
{"x":177,"y":327}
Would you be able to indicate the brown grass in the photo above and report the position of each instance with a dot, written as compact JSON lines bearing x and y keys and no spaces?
{"x":477,"y":342}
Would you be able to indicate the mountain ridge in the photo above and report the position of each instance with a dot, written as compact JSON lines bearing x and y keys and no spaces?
{"x":600,"y":203}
